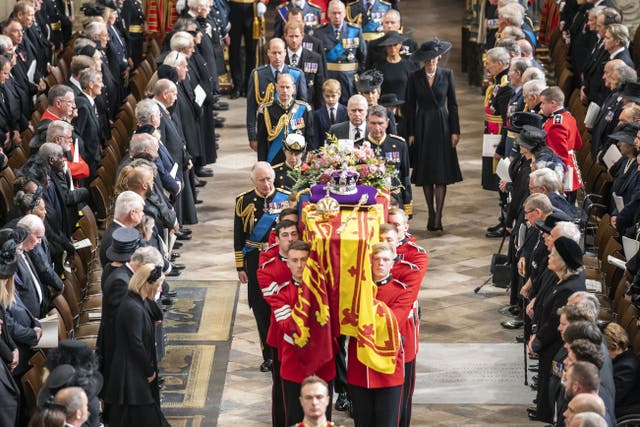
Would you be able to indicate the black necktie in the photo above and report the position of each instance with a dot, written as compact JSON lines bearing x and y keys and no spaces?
{"x":338,"y":34}
{"x":332,"y":115}
{"x":357,"y":136}
{"x":277,"y":75}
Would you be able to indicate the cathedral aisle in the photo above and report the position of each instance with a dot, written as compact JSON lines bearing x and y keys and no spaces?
{"x":211,"y":369}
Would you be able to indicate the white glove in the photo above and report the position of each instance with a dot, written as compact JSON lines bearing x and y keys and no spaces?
{"x":261,"y":9}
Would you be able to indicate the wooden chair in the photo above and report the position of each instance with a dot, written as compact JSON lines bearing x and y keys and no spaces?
{"x":58,"y":75}
{"x":17,"y":157}
{"x":32,"y":382}
{"x":6,"y":198}
{"x":100,"y":201}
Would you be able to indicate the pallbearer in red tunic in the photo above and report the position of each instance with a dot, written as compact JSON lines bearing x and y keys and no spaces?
{"x":411,"y":275}
{"x":314,"y":398}
{"x":376,"y":396}
{"x":272,"y":274}
{"x":293,"y":367}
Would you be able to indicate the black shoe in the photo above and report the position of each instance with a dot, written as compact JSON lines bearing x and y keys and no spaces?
{"x":430,"y":223}
{"x":173,"y":273}
{"x":235,"y":94}
{"x":514,"y":309}
{"x":177,"y":245}
{"x":186,"y":230}
{"x":183,"y":236}
{"x":203,"y":172}
{"x":197,"y":202}
{"x":520,"y":339}
{"x":220,"y":106}
{"x":200,"y":183}
{"x":342,"y":403}
{"x":500,"y":232}
{"x":172,"y":293}
{"x":167,"y":301}
{"x":219,"y":121}
{"x":495,"y":227}
{"x":178,"y":266}
{"x":512,"y":324}
{"x":266,"y":366}
{"x":175,"y":255}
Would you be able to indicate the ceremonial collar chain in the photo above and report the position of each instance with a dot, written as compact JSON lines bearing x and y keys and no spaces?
{"x":283,"y":105}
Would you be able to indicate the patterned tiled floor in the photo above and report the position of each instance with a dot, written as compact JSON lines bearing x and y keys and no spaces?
{"x":236,"y":392}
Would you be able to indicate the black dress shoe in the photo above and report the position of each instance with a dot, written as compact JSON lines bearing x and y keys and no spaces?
{"x":342,"y":403}
{"x":172,"y":293}
{"x":512,"y":324}
{"x":220,"y":106}
{"x":183,"y":236}
{"x":177,"y":266}
{"x":175,"y":255}
{"x":200,"y":183}
{"x":235,"y":94}
{"x":197,"y":202}
{"x":167,"y":301}
{"x":500,"y":232}
{"x":173,"y":273}
{"x":219,"y":121}
{"x":495,"y":227}
{"x":519,"y":339}
{"x":203,"y":172}
{"x":186,"y":230}
{"x":514,"y":309}
{"x":266,"y":366}
{"x":177,"y":245}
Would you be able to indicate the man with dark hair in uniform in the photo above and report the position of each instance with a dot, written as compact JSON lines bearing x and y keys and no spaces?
{"x":280,"y":118}
{"x":394,"y":150}
{"x":345,"y":48}
{"x":256,"y":211}
{"x":294,"y":148}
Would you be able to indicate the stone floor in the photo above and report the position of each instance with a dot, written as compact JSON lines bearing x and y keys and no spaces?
{"x":237,"y":393}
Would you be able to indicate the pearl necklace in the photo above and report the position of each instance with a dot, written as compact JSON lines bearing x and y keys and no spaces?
{"x":431,"y":75}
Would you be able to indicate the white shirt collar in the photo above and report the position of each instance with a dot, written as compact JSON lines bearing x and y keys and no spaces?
{"x":75,"y":82}
{"x":91,"y":100}
{"x":614,"y":54}
{"x":352,"y":130}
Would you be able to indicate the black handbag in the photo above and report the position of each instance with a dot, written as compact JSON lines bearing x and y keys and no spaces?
{"x":500,"y":268}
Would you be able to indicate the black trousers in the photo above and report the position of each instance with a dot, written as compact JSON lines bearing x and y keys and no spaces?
{"x":241,"y":18}
{"x":261,"y":310}
{"x":278,"y":418}
{"x":293,"y":409}
{"x":341,"y":366}
{"x":376,"y":407}
{"x":407,"y":393}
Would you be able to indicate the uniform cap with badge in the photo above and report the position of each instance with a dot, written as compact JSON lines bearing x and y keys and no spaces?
{"x":626,"y":133}
{"x":369,"y":81}
{"x":295,"y":143}
{"x":531,"y":137}
{"x":430,"y":50}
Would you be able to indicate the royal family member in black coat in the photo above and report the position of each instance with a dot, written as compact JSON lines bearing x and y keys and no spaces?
{"x":132,"y":392}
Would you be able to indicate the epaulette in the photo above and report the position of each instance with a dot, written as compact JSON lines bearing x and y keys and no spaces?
{"x":397,"y":137}
{"x":354,"y":25}
{"x":504,"y":81}
{"x":385,"y":3}
{"x":312,"y":4}
{"x":277,"y":165}
{"x":417,"y":246}
{"x":271,"y":246}
{"x":283,"y":191}
{"x":270,"y":260}
{"x":306,"y":105}
{"x":352,"y":2}
{"x":557,"y":119}
{"x":404,"y":285}
{"x":410,"y":264}
{"x":242,"y":194}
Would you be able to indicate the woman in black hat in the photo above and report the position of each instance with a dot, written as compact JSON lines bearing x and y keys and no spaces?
{"x":433,"y":128}
{"x":132,"y":396}
{"x":9,"y":355}
{"x":565,"y":261}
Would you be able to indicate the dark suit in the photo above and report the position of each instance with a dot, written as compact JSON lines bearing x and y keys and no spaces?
{"x":322,"y":122}
{"x":626,"y":374}
{"x":28,"y":285}
{"x":9,"y":392}
{"x":341,"y":130}
{"x":20,"y":323}
{"x":87,"y":125}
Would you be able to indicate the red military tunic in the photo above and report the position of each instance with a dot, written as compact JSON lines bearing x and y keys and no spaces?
{"x":411,"y":275}
{"x":292,"y":368}
{"x":271,"y":274}
{"x":563,"y":137}
{"x":399,"y":298}
{"x":411,"y":251}
{"x":272,"y":250}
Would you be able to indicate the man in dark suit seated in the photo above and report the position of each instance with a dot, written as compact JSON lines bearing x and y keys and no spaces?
{"x":128,"y":212}
{"x":355,"y":127}
{"x":330,"y":113}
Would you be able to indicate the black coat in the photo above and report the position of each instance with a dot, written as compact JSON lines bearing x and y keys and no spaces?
{"x":189,"y":114}
{"x":20,"y":323}
{"x":626,"y":375}
{"x":432,"y":117}
{"x":27,"y":288}
{"x":9,"y":392}
{"x":134,"y":356}
{"x":87,"y":124}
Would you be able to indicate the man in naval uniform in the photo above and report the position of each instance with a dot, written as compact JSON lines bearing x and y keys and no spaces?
{"x":393,"y":149}
{"x":256,"y":211}
{"x":294,"y":148}
{"x":345,"y":48}
{"x":133,"y":26}
{"x":262,"y":85}
{"x":311,"y":15}
{"x":368,"y":14}
{"x":279,"y":118}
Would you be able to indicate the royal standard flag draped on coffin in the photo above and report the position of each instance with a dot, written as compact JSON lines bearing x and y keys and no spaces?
{"x":337,"y":295}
